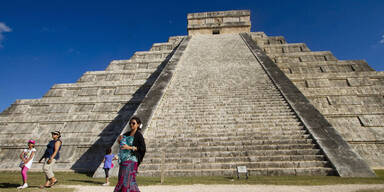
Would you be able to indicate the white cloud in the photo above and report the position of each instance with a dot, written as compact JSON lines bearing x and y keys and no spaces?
{"x":73,"y":51}
{"x":3,"y":28}
{"x":382,"y":40}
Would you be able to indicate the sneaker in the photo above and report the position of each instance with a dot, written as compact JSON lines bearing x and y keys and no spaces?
{"x":106,"y":184}
{"x":23,"y":186}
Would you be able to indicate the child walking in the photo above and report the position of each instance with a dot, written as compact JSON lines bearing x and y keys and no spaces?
{"x":27,"y":157}
{"x":108,"y":158}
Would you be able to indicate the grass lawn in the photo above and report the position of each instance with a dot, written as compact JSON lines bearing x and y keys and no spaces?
{"x":10,"y":180}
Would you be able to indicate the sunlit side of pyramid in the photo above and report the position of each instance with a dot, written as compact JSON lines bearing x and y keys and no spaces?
{"x":219,"y":98}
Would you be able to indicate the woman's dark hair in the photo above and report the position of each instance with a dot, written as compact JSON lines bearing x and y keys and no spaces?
{"x":108,"y":151}
{"x":138,"y":121}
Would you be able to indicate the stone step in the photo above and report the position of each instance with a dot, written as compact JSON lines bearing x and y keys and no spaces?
{"x":237,"y":159}
{"x":235,"y":113}
{"x":302,"y":56}
{"x":233,"y":110}
{"x":234,"y":140}
{"x":249,"y":117}
{"x":237,"y":146}
{"x":59,"y":118}
{"x":226,"y":132}
{"x":275,"y":114}
{"x":224,"y":94}
{"x":208,"y":122}
{"x":313,"y":171}
{"x":266,"y":42}
{"x":346,"y":91}
{"x":286,"y":48}
{"x":102,"y":84}
{"x":175,"y":39}
{"x":264,"y":85}
{"x":233,"y":165}
{"x":68,"y":102}
{"x":150,"y":55}
{"x":100,"y":76}
{"x":73,"y":108}
{"x":236,"y":153}
{"x":258,"y":146}
{"x":84,"y":142}
{"x":325,"y":69}
{"x":101,"y":92}
{"x":223,"y":127}
{"x":81,"y":100}
{"x":163,"y":47}
{"x":246,"y":103}
{"x":232,"y":117}
{"x":310,"y":64}
{"x":351,"y":76}
{"x":273,"y":40}
{"x":123,"y":65}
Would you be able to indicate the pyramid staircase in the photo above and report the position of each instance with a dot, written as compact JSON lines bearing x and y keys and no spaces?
{"x":220,"y":111}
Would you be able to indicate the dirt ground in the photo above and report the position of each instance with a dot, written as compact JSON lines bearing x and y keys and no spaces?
{"x":247,"y":188}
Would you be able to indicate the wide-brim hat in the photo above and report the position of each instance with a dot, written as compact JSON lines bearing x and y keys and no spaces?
{"x":56,"y":133}
{"x":32,"y":141}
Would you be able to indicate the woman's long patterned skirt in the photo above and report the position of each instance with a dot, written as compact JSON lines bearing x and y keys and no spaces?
{"x":127,"y":177}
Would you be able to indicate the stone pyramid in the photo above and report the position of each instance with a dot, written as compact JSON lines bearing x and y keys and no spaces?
{"x":219,"y":98}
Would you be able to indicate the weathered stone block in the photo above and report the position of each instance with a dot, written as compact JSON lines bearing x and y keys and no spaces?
{"x":47,"y":128}
{"x":38,"y":109}
{"x":355,"y":82}
{"x":125,"y":90}
{"x":345,"y":100}
{"x":15,"y":108}
{"x":317,"y":83}
{"x":83,"y":107}
{"x":372,"y":120}
{"x":60,"y":108}
{"x":106,"y":91}
{"x":55,"y":93}
{"x":107,"y":107}
{"x":100,"y":77}
{"x":87,"y":78}
{"x":88,"y":91}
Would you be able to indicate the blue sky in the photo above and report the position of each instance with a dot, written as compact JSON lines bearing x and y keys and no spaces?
{"x":43,"y":43}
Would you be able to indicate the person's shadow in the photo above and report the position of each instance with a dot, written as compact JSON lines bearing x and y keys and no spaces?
{"x":87,"y":181}
{"x":8,"y":185}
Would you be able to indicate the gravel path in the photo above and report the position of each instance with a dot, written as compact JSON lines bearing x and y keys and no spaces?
{"x":247,"y":188}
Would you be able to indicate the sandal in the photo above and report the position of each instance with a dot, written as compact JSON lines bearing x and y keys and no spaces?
{"x":54,"y":183}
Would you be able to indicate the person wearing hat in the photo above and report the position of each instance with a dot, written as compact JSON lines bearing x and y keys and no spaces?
{"x":27,"y":157}
{"x":51,"y":155}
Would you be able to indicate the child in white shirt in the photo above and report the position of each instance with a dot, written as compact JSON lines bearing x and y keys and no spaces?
{"x":27,"y":157}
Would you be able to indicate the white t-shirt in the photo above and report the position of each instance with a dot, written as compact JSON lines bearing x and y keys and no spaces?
{"x":27,"y":154}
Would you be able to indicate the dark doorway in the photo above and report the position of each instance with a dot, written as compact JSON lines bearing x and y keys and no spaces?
{"x":215,"y":31}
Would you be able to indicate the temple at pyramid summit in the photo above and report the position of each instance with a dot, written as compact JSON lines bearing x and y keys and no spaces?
{"x":219,"y":98}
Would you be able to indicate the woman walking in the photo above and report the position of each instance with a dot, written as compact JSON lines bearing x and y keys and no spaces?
{"x":51,"y":155}
{"x":131,"y":154}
